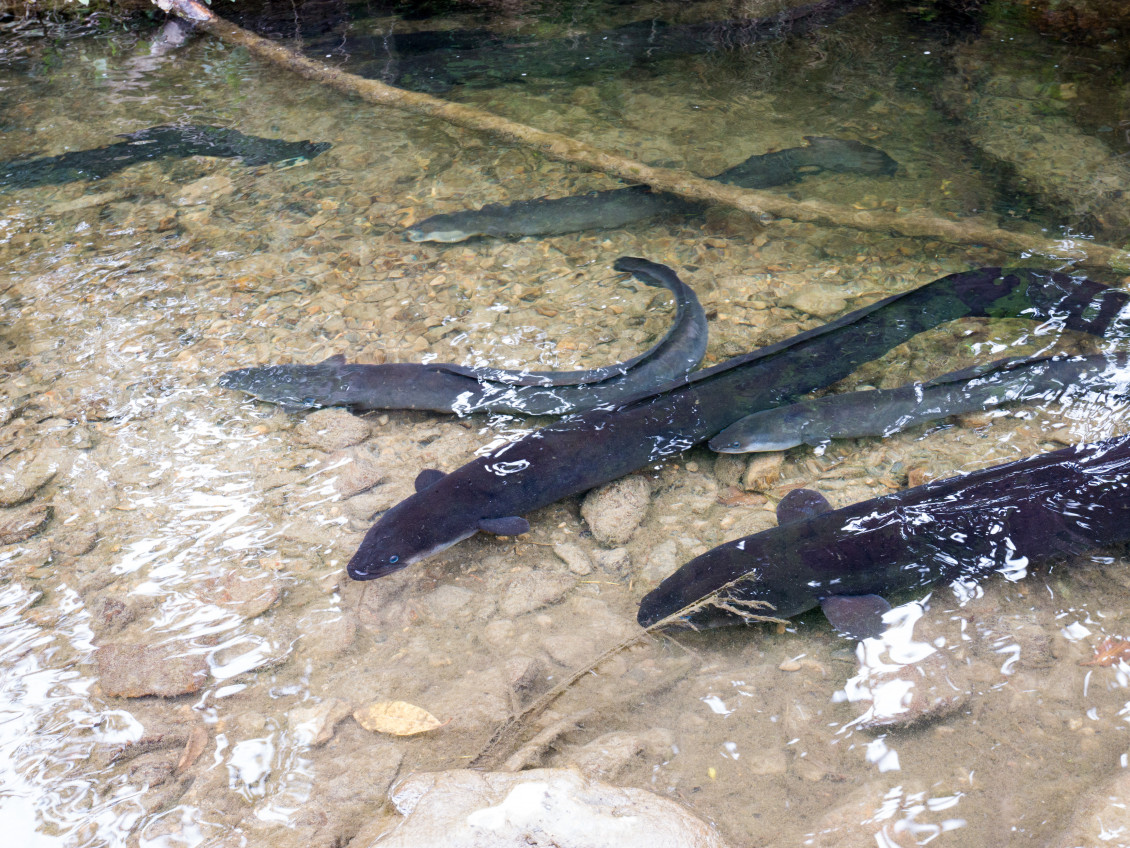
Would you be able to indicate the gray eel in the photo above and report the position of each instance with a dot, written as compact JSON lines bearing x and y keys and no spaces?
{"x":442,"y":387}
{"x":883,"y":412}
{"x":493,"y":491}
{"x":621,"y":206}
{"x":163,"y":142}
{"x":998,"y":519}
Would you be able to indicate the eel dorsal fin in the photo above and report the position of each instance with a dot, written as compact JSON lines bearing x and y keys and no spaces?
{"x":428,"y":478}
{"x":856,"y":616}
{"x":511,"y":525}
{"x":800,"y":504}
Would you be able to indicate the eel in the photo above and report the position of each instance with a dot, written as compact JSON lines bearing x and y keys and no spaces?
{"x":435,"y":61}
{"x":493,"y":491}
{"x":883,"y":412}
{"x":162,"y":142}
{"x":443,"y":387}
{"x":998,"y":519}
{"x":619,"y":207}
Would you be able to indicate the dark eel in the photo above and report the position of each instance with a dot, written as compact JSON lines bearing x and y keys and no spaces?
{"x":999,"y":519}
{"x":437,"y":61}
{"x":621,"y":206}
{"x":162,"y":142}
{"x":490,"y":493}
{"x":882,"y":412}
{"x":443,"y":387}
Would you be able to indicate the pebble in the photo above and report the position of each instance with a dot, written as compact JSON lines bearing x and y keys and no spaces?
{"x":355,"y":472}
{"x":110,"y":615}
{"x":315,"y":725}
{"x":332,"y":429}
{"x":448,"y":602}
{"x":23,"y":474}
{"x":610,"y":755}
{"x":662,"y":560}
{"x":912,"y":694}
{"x":559,"y":807}
{"x":820,"y":299}
{"x":729,"y":468}
{"x":523,"y":673}
{"x":615,"y":561}
{"x":763,"y":471}
{"x":134,"y":671}
{"x":574,"y":557}
{"x":528,"y":592}
{"x":614,"y":511}
{"x":767,"y":761}
{"x":23,"y":522}
{"x":204,"y":189}
{"x":249,"y":596}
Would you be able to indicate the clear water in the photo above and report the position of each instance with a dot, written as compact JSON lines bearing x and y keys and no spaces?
{"x":206,"y":526}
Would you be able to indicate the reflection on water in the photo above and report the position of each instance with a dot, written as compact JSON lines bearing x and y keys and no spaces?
{"x":180,"y":651}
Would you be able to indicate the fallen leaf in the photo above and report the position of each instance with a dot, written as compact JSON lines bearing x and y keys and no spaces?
{"x":396,"y":717}
{"x":1109,"y":652}
{"x":193,"y":748}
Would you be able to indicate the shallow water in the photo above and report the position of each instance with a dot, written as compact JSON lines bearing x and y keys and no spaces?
{"x":196,"y":539}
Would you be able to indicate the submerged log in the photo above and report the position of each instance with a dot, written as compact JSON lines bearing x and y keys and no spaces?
{"x":914,"y":223}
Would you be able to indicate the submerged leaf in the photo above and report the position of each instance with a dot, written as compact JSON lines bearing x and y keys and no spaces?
{"x":1109,"y":652}
{"x":193,"y":748}
{"x":396,"y":717}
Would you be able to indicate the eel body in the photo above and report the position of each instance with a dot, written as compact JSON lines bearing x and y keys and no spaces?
{"x":441,"y":387}
{"x":622,"y":206}
{"x":162,"y":142}
{"x":437,"y":61}
{"x":883,"y":412}
{"x":998,"y":519}
{"x":493,"y":491}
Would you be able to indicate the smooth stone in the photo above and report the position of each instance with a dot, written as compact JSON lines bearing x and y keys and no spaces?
{"x":558,"y":807}
{"x":820,"y":299}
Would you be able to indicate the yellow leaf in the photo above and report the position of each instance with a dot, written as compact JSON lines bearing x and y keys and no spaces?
{"x":396,"y":717}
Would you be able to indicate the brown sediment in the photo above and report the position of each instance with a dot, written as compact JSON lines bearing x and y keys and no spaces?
{"x":915,"y":223}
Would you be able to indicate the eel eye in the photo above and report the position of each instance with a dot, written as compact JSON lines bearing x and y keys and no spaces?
{"x":393,"y":559}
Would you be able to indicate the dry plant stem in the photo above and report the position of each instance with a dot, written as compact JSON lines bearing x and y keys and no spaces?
{"x":505,"y":736}
{"x":916,"y":223}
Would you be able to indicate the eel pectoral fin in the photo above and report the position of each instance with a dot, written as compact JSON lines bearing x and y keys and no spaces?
{"x":428,"y":478}
{"x":856,"y":616}
{"x":800,"y":504}
{"x":511,"y":525}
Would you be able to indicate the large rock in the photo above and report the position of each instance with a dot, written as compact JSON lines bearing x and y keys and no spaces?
{"x":558,"y":807}
{"x":134,"y":671}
